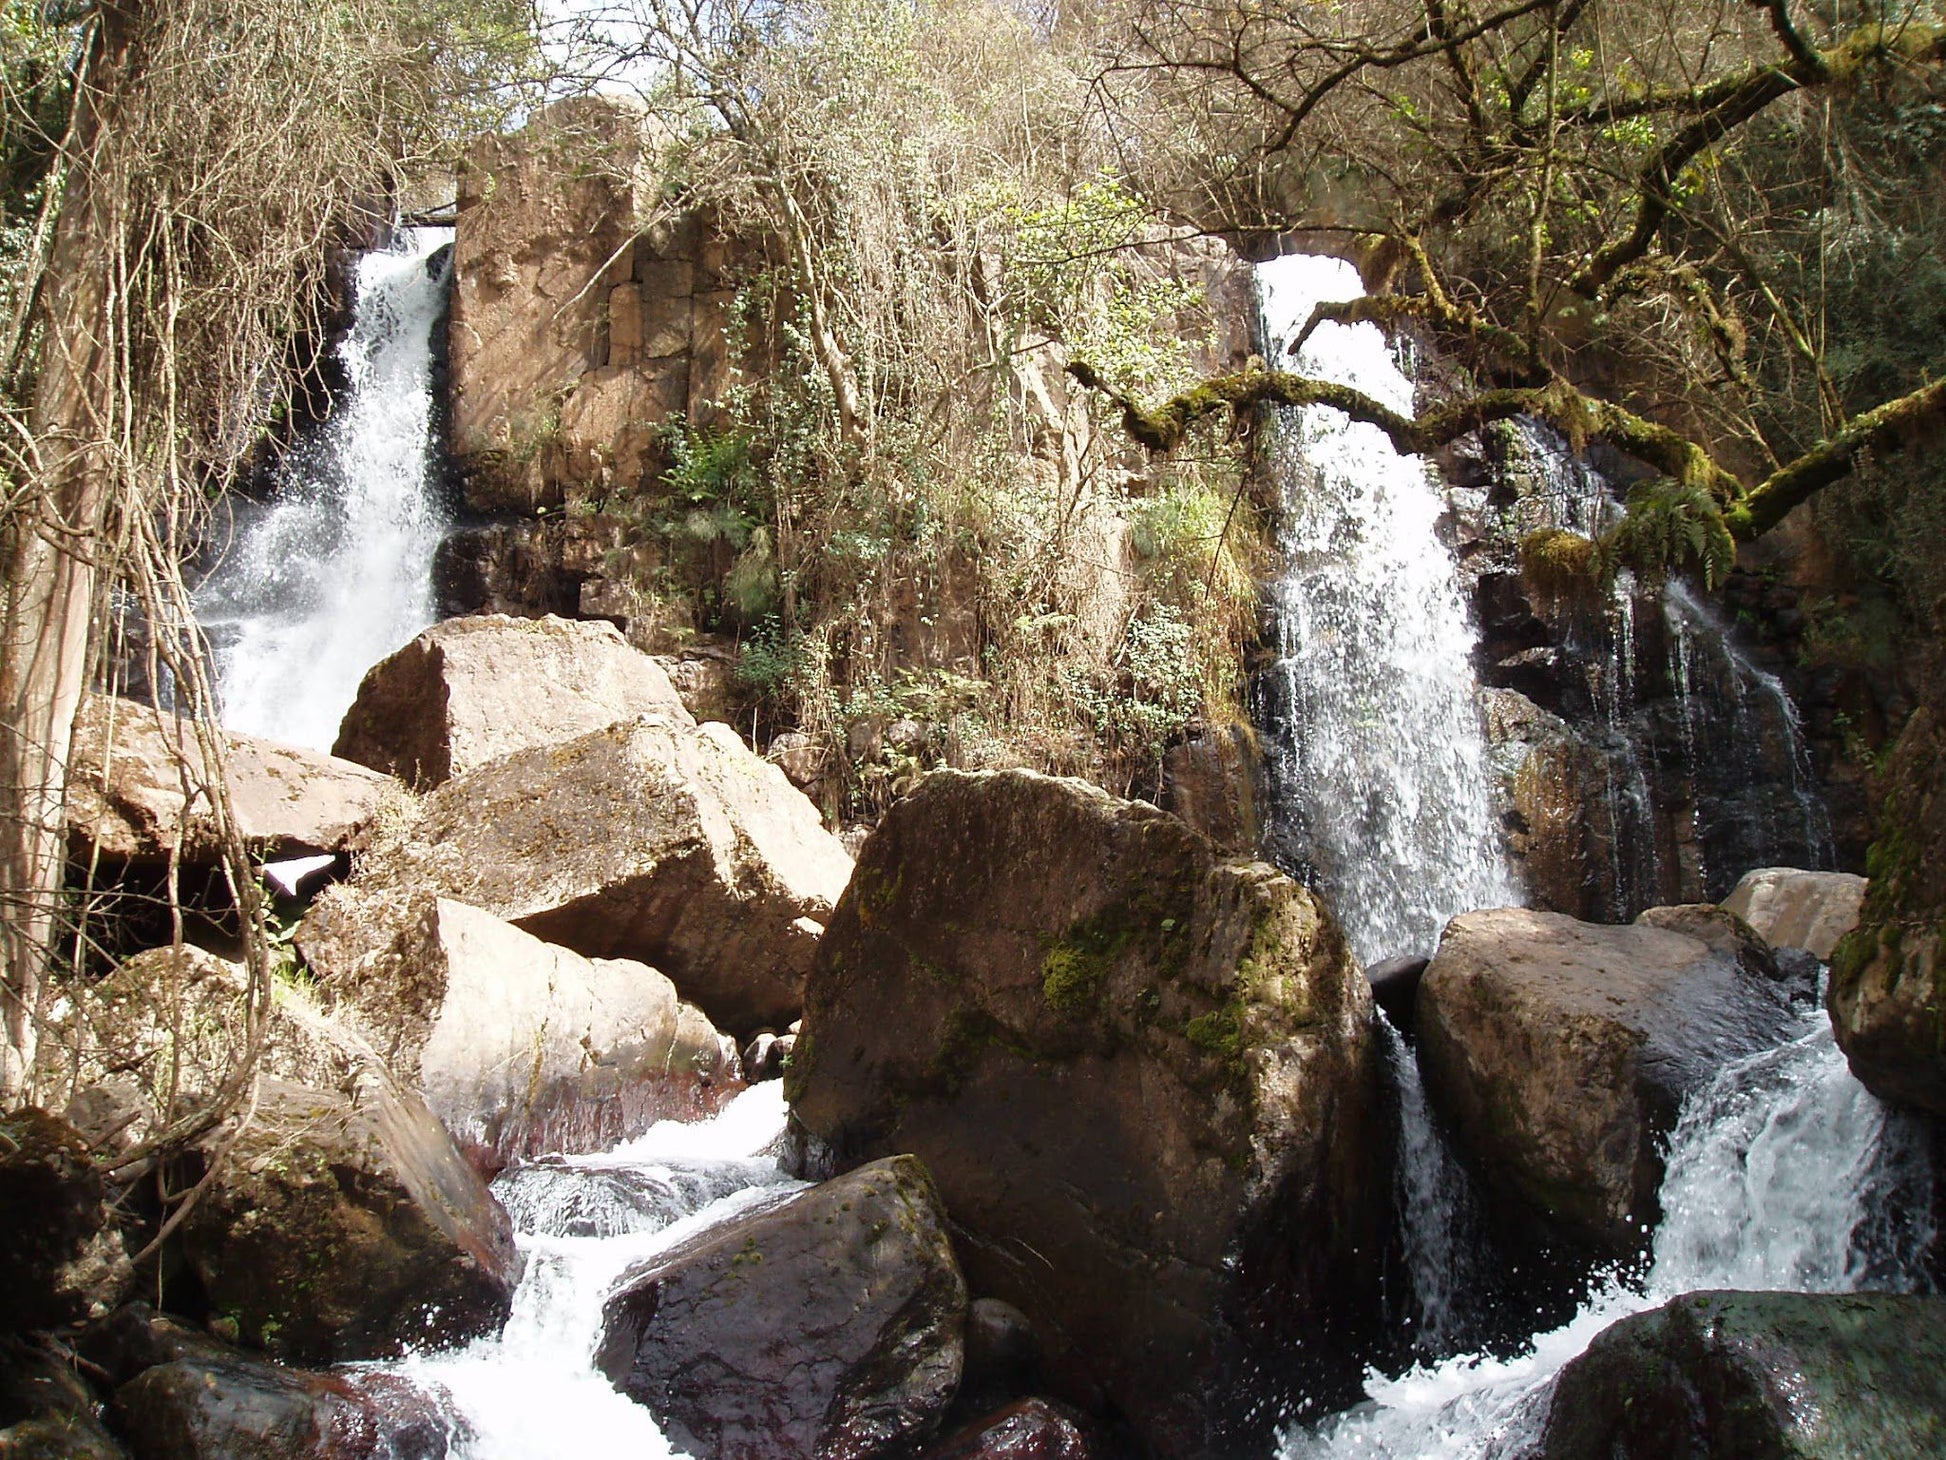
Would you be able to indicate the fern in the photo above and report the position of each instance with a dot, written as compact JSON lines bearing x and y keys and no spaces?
{"x":1671,"y":528}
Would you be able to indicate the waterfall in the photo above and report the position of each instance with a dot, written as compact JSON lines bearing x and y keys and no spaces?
{"x":1381,"y":794}
{"x":335,"y":572}
{"x":532,"y":1392}
{"x":1779,"y":1176}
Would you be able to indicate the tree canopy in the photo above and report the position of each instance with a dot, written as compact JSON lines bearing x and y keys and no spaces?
{"x":1625,"y":219}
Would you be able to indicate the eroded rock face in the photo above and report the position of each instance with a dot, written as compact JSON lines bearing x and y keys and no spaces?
{"x":1794,"y":909}
{"x":668,"y":843}
{"x":1143,"y":1076}
{"x":1759,"y":1376}
{"x":519,"y":1046}
{"x":65,"y":1258}
{"x":470,"y":690}
{"x":829,"y":1327}
{"x":1562,"y":1052}
{"x":125,"y":790}
{"x":1886,"y":1002}
{"x":575,"y":333}
{"x":347,"y":1227}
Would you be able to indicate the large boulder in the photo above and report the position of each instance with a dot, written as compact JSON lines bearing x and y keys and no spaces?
{"x":1885,"y":996}
{"x":231,"y":1408}
{"x":825,"y":1329}
{"x":126,"y":796}
{"x":66,"y":1260}
{"x":339,"y":1227}
{"x":1562,"y":1052}
{"x":1794,"y":909}
{"x":1759,"y":1376}
{"x":470,"y":690}
{"x":668,"y":843}
{"x":1143,"y":1075}
{"x":519,"y":1046}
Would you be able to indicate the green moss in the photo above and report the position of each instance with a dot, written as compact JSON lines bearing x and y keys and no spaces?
{"x":1072,"y":975}
{"x":1220,"y":1031}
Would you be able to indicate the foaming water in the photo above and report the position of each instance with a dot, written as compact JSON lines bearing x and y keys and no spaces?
{"x":336,"y":572}
{"x":1777,"y":1177}
{"x":532,"y":1392}
{"x":1377,"y":748}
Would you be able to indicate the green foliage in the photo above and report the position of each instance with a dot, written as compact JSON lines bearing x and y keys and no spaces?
{"x":1670,"y":527}
{"x":1157,"y":692}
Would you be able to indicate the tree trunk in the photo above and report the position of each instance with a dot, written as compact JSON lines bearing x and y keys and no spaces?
{"x":52,"y":542}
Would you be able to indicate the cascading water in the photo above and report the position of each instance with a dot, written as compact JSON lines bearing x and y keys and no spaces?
{"x":532,"y":1392}
{"x":1779,"y":1177}
{"x":1378,"y":758}
{"x":335,"y":572}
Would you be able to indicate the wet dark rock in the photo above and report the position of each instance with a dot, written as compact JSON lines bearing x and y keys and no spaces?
{"x":1028,"y":1429}
{"x":1214,"y":780}
{"x":1002,"y":1356}
{"x":765,"y":1057}
{"x":1562,"y":1051}
{"x":828,"y":1327}
{"x":343,"y":1228}
{"x":135,"y":1337}
{"x":1144,"y":1077}
{"x":1759,"y":1376}
{"x":1888,"y":1008}
{"x":65,"y":1259}
{"x":1395,"y":984}
{"x":236,"y":1409}
{"x":47,"y":1411}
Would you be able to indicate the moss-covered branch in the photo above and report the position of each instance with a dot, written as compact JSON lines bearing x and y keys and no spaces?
{"x":1887,"y":428}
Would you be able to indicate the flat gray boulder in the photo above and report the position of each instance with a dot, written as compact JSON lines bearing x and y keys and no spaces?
{"x":667,"y":843}
{"x":1795,"y":909}
{"x":470,"y":690}
{"x":126,"y":797}
{"x":519,"y":1046}
{"x":1562,"y":1052}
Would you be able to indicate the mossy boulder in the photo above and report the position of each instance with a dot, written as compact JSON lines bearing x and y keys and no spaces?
{"x":1886,"y":996}
{"x":830,"y":1328}
{"x":340,"y":1227}
{"x":1141,"y":1072}
{"x":1562,"y":1052}
{"x":1759,"y":1376}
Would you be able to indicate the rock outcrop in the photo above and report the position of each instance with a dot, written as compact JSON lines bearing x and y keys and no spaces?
{"x":126,"y":797}
{"x":470,"y":690}
{"x":1142,"y":1074}
{"x":576,"y":334}
{"x":339,"y":1228}
{"x":1794,"y":909}
{"x":824,"y":1329}
{"x":1759,"y":1376}
{"x":1887,"y":1006}
{"x":66,"y":1260}
{"x":520,"y":1047}
{"x":1562,"y":1051}
{"x":668,"y":843}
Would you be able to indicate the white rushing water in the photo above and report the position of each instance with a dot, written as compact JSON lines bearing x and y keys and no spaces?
{"x":1780,"y":1177}
{"x":532,"y":1392}
{"x":1379,"y":754}
{"x":336,"y":571}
